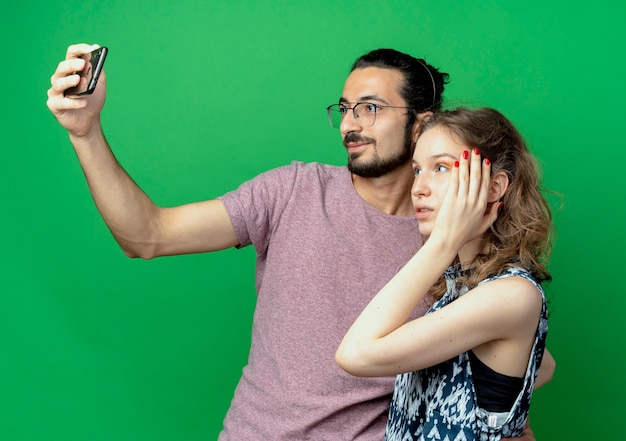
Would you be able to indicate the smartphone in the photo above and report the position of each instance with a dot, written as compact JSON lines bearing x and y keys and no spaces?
{"x":89,"y":75}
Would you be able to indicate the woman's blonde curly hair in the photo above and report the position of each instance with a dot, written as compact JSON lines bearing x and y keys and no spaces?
{"x":523,"y":232}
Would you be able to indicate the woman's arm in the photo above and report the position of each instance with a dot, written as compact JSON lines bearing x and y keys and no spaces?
{"x":505,"y":310}
{"x":546,"y":371}
{"x":376,"y":344}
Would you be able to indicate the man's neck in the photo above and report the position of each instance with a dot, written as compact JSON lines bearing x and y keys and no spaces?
{"x":390,"y":193}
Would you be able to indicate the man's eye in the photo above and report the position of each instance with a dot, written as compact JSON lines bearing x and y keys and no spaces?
{"x":343,"y":110}
{"x":370,"y":108}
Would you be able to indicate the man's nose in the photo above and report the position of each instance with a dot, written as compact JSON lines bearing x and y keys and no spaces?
{"x":349,"y":123}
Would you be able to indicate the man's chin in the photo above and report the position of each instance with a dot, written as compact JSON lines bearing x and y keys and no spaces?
{"x":365,"y":171}
{"x":372,"y":170}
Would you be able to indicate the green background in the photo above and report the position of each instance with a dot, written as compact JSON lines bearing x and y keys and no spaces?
{"x":204,"y":95}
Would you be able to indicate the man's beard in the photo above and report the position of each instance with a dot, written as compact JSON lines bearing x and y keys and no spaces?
{"x":378,"y":166}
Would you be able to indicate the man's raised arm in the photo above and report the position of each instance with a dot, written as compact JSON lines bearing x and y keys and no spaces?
{"x":140,"y":227}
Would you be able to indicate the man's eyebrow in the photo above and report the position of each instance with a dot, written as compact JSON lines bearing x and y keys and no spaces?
{"x":366,"y":98}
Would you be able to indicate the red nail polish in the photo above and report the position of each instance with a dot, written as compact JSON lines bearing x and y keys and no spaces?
{"x":465,"y":153}
{"x":476,"y":152}
{"x":487,"y":161}
{"x":456,"y":163}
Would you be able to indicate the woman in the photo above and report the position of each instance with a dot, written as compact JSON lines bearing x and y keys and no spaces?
{"x":469,"y":365}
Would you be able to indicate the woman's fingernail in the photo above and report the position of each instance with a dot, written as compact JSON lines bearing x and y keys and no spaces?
{"x":465,"y":154}
{"x":487,"y":161}
{"x":456,"y":164}
{"x":476,"y":152}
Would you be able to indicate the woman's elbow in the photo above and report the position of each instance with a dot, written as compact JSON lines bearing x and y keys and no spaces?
{"x":352,"y":361}
{"x":342,"y":360}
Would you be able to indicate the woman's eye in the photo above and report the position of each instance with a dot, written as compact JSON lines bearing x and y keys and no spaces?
{"x":417,"y":171}
{"x":442,"y":168}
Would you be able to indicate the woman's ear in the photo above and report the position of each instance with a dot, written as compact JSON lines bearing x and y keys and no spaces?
{"x":498,"y":185}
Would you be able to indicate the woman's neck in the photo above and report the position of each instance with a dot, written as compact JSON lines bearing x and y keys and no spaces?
{"x":469,"y":251}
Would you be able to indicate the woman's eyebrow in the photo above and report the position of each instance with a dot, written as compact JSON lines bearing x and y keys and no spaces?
{"x":445,"y":155}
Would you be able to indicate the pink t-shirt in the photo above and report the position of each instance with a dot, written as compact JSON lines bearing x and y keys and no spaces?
{"x":322,"y":254}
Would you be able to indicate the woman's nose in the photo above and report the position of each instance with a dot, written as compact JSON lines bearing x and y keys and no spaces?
{"x":420,"y":186}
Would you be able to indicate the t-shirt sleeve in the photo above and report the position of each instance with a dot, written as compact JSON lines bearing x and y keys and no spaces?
{"x":256,"y":206}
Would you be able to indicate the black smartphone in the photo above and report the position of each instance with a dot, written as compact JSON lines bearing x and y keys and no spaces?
{"x":89,"y":75}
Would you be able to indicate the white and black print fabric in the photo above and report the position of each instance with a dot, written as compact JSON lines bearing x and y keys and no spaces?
{"x":439,"y":403}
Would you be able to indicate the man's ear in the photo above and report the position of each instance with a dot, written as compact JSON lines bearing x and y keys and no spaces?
{"x":497,"y":186}
{"x":417,"y":125}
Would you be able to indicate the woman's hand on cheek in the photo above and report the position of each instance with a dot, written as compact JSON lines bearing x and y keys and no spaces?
{"x":463,"y":214}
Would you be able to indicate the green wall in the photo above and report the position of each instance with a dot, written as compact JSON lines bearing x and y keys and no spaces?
{"x":204,"y":95}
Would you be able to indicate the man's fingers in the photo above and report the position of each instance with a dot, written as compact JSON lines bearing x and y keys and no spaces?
{"x":76,"y":50}
{"x":59,"y":84}
{"x":57,"y":100}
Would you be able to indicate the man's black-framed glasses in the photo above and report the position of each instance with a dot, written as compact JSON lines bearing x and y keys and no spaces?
{"x":364,"y":113}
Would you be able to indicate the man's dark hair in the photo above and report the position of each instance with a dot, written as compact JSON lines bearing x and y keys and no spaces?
{"x":423,"y":84}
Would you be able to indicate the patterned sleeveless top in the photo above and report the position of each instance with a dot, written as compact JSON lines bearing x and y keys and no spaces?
{"x":439,"y":403}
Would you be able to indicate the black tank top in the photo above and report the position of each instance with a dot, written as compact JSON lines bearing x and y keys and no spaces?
{"x":495,"y":392}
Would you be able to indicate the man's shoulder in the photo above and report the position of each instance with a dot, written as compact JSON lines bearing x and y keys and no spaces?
{"x":305,"y":171}
{"x":318,"y":167}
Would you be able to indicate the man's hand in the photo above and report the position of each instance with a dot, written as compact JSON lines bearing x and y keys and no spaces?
{"x":79,"y":115}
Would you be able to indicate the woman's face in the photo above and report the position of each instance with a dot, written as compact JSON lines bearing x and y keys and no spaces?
{"x":434,"y":157}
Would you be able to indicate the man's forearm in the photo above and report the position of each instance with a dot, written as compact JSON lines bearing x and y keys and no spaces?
{"x":126,"y":209}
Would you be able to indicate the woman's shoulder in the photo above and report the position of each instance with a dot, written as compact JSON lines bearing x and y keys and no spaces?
{"x":514,"y":289}
{"x":515,"y":274}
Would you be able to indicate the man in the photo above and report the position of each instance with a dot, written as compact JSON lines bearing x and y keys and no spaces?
{"x":327,"y":239}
